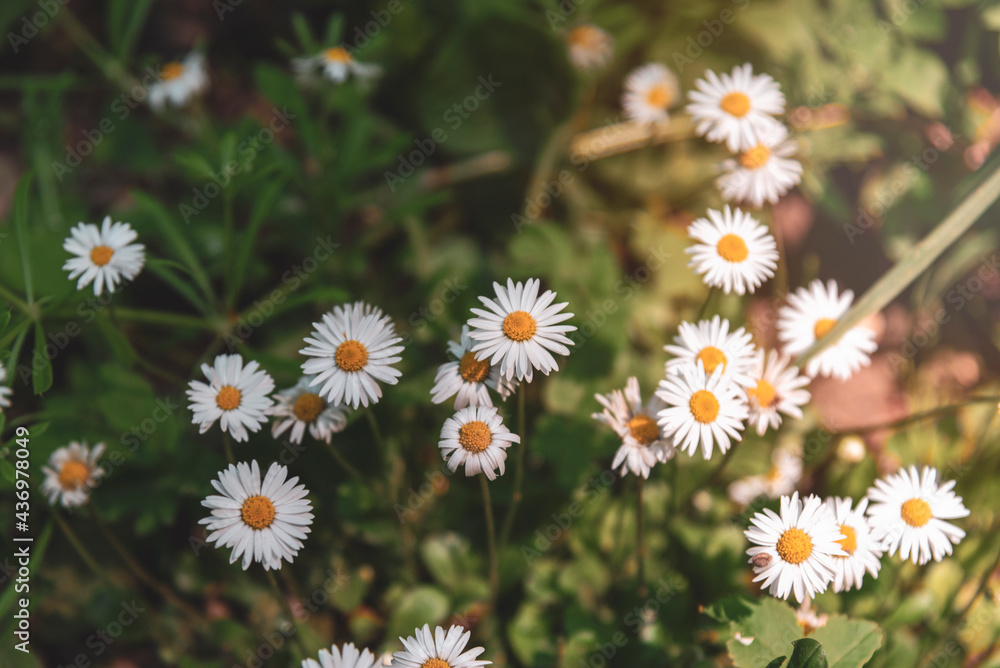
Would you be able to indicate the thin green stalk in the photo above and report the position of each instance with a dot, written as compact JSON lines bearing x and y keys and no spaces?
{"x":79,"y":547}
{"x":21,"y":305}
{"x":704,"y":306}
{"x":508,"y":522}
{"x":165,"y":318}
{"x":228,"y":288}
{"x":917,"y":417}
{"x":490,"y":541}
{"x":297,"y":638}
{"x":640,"y":552}
{"x":227,"y":447}
{"x":339,"y":457}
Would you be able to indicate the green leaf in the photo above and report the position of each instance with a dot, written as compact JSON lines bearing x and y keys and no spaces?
{"x":849,"y":642}
{"x":919,"y":77}
{"x":301,"y":27}
{"x":7,"y":471}
{"x":4,"y":320}
{"x":777,"y":662}
{"x":125,"y":21}
{"x":731,"y":608}
{"x":261,"y":209}
{"x":419,"y":606}
{"x":21,"y":228}
{"x":773,"y":627}
{"x":164,"y":270}
{"x":42,"y":377}
{"x":807,"y":654}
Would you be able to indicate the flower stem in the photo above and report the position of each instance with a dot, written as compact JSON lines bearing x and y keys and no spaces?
{"x":917,"y":417}
{"x":78,"y":546}
{"x":339,"y":457}
{"x":297,"y":639}
{"x":704,"y":307}
{"x":640,"y":552}
{"x":227,"y":446}
{"x":490,"y":541}
{"x":508,"y":521}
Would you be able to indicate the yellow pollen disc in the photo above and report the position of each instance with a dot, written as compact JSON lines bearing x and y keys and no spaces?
{"x":822,"y":326}
{"x":916,"y":512}
{"x":519,"y":326}
{"x":756,"y":157}
{"x":659,"y":96}
{"x":643,"y":429}
{"x":732,"y":248}
{"x":735,"y":104}
{"x":711,"y":357}
{"x":73,"y":474}
{"x":764,"y":393}
{"x":337,"y":54}
{"x":171,"y":71}
{"x":351,"y":355}
{"x":475,"y":436}
{"x":258,"y":512}
{"x":101,"y":255}
{"x":794,"y":546}
{"x":704,"y":406}
{"x":473,"y":370}
{"x":774,"y":474}
{"x":850,"y":540}
{"x":228,"y":398}
{"x":584,"y":36}
{"x":435,"y":663}
{"x":308,"y":407}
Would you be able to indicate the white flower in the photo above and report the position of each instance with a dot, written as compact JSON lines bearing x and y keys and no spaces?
{"x":798,"y":545}
{"x":298,"y":408}
{"x":476,"y":437}
{"x":263,"y":521}
{"x":852,"y":449}
{"x":710,"y":343}
{"x":701,"y":409}
{"x":468,"y":379}
{"x":5,"y":391}
{"x":71,"y":473}
{"x":811,"y":313}
{"x":179,"y":82}
{"x":762,"y":173}
{"x":440,"y":650}
{"x":736,"y":108}
{"x":519,"y":329}
{"x":643,"y":442}
{"x":735,"y":252}
{"x":650,"y":91}
{"x":590,"y":48}
{"x":777,"y":388}
{"x":785,"y":473}
{"x":104,"y":255}
{"x":909,"y":512}
{"x":863,"y":551}
{"x":809,"y":620}
{"x":338,"y":64}
{"x":236,"y":395}
{"x":353,"y":348}
{"x":348,"y":656}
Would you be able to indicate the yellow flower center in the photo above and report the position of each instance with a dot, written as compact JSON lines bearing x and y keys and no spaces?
{"x":711,"y":357}
{"x":351,"y":355}
{"x":732,"y":248}
{"x":850,"y":540}
{"x":756,"y":157}
{"x":228,"y":398}
{"x":101,"y":255}
{"x":704,"y":406}
{"x":587,"y":36}
{"x":473,"y":370}
{"x":822,"y":326}
{"x":171,"y":71}
{"x":735,"y":104}
{"x":794,"y":546}
{"x":435,"y":663}
{"x":916,"y":512}
{"x":643,"y":429}
{"x":73,"y":474}
{"x":337,"y":54}
{"x":475,"y":436}
{"x":774,"y":474}
{"x":764,"y":393}
{"x":308,"y":407}
{"x":659,"y":96}
{"x":258,"y":512}
{"x":519,"y":326}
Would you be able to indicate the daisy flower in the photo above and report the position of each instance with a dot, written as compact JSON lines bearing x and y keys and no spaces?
{"x":908,"y":512}
{"x":798,"y":547}
{"x":735,"y":252}
{"x":105,"y":256}
{"x":710,"y":343}
{"x":643,"y":443}
{"x":808,"y":620}
{"x":519,"y":330}
{"x":440,"y":650}
{"x":777,"y":388}
{"x":811,"y":313}
{"x":236,"y":395}
{"x":763,"y":172}
{"x":863,"y":551}
{"x":352,"y":348}
{"x":785,"y":473}
{"x":337,"y":64}
{"x":589,"y":47}
{"x":468,"y":379}
{"x":298,"y":408}
{"x":263,"y":521}
{"x":476,"y":437}
{"x":650,"y":91}
{"x":736,"y":108}
{"x":702,"y":409}
{"x":179,"y":82}
{"x":348,"y":656}
{"x":71,"y":473}
{"x":5,"y":391}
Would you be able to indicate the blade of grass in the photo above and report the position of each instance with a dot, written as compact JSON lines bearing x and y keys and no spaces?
{"x":164,"y":269}
{"x":41,"y":378}
{"x":260,"y":211}
{"x":21,"y":228}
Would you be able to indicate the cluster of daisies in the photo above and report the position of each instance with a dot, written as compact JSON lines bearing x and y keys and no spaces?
{"x":440,"y":649}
